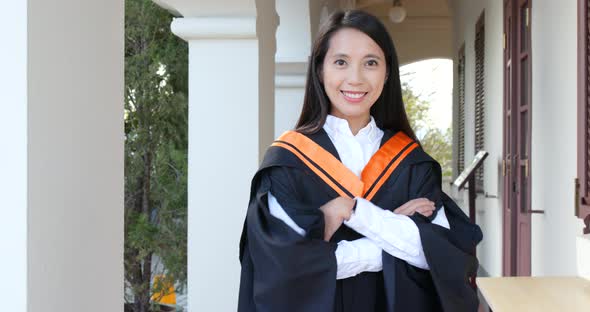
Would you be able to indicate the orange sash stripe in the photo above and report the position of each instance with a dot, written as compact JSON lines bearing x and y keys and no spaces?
{"x":327,"y":167}
{"x":376,"y":172}
{"x":390,"y":170}
{"x":337,"y":175}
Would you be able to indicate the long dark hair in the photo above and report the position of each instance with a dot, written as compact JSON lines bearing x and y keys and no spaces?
{"x":388,"y":110}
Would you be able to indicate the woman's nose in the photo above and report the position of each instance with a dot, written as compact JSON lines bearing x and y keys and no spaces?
{"x":355,"y":76}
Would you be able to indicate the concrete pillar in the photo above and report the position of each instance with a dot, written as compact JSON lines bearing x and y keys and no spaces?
{"x":61,"y":134}
{"x":231,"y":123}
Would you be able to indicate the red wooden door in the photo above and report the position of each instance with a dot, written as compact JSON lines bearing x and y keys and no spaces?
{"x":582,"y":182}
{"x":517,"y":139}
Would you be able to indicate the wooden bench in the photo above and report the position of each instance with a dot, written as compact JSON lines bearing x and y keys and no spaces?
{"x":555,"y":294}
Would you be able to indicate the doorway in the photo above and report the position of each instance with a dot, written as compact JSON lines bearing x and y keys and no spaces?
{"x":516,"y":161}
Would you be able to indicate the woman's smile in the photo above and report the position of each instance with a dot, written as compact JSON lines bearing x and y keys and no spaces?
{"x":353,"y":96}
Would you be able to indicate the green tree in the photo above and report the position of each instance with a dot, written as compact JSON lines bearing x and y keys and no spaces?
{"x":436,"y":142}
{"x":156,"y":133}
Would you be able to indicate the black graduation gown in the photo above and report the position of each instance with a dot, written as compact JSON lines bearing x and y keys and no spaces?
{"x":283,"y":271}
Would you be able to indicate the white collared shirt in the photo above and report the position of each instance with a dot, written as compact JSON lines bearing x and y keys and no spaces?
{"x":383,"y":230}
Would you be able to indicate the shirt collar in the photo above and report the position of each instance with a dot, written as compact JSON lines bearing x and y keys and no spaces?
{"x":339,"y":126}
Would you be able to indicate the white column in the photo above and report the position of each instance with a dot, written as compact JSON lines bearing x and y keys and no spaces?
{"x":61,"y":136}
{"x":231,"y":71}
{"x":13,"y":158}
{"x":293,"y":49}
{"x":289,"y":91}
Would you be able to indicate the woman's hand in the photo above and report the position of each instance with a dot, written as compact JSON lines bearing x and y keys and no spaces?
{"x":335,"y":212}
{"x":421,"y":205}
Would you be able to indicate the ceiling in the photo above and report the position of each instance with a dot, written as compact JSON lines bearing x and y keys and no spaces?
{"x":414,"y":8}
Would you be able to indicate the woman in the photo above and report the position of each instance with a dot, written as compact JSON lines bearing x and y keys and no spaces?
{"x":346,"y":212}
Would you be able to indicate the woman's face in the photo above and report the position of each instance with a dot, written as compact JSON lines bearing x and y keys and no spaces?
{"x":353,"y":74}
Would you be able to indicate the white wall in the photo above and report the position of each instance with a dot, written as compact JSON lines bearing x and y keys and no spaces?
{"x":61,"y":130}
{"x":553,"y":166}
{"x":489,"y":210}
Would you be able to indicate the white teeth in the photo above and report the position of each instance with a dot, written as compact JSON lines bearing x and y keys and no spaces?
{"x":354,"y":95}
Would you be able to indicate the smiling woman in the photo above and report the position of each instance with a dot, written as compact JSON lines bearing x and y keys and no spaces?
{"x":353,"y":52}
{"x":346,"y":211}
{"x":354,"y":72}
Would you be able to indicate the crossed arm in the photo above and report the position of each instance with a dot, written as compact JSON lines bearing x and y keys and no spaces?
{"x":392,"y":232}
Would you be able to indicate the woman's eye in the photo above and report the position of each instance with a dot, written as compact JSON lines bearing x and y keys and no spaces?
{"x":340,"y":62}
{"x":372,"y":63}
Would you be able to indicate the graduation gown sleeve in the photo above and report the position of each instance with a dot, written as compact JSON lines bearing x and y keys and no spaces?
{"x":281,"y":270}
{"x":449,"y":252}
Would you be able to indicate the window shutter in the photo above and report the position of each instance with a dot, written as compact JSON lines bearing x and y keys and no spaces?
{"x":479,"y":96}
{"x":461,"y":109}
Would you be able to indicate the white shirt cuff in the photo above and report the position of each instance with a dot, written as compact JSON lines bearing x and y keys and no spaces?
{"x":357,"y":256}
{"x":441,"y":218}
{"x":277,"y":211}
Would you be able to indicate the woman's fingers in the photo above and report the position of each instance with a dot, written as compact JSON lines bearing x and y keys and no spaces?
{"x":407,"y":207}
{"x":339,"y":208}
{"x":332,"y":223}
{"x":420,"y":204}
{"x":335,"y":212}
{"x":426,"y":211}
{"x":412,"y":205}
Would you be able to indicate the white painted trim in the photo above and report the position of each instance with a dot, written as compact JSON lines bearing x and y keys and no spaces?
{"x":291,"y":59}
{"x":195,"y":28}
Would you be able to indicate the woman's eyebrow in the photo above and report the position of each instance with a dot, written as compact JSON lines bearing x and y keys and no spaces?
{"x":340,"y":55}
{"x":344,"y":55}
{"x":372,"y":56}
